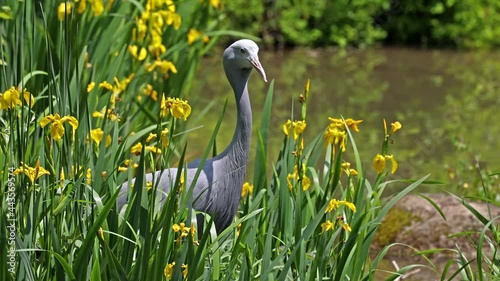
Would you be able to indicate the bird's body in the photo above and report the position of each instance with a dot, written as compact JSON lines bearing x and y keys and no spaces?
{"x":217,"y":190}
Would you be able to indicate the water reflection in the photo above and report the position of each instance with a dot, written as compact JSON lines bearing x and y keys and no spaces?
{"x":447,"y":101}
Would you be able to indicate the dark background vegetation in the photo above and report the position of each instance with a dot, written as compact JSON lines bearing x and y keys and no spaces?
{"x":463,"y":24}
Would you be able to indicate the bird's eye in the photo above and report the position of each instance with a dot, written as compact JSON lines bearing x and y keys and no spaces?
{"x":242,"y":50}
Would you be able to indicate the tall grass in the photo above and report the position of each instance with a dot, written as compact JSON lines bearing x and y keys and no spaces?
{"x":59,"y":213}
{"x":484,"y":263}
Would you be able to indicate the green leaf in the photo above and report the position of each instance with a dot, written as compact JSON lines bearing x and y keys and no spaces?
{"x":434,"y":205}
{"x":65,"y":265}
{"x":28,"y":76}
{"x":83,"y":253}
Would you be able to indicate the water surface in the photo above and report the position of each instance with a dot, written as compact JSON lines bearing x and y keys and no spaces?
{"x":447,"y":101}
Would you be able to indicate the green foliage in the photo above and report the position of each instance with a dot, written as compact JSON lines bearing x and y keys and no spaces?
{"x":65,"y":151}
{"x":465,"y":24}
{"x":313,"y":23}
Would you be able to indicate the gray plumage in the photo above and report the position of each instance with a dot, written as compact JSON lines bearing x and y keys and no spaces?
{"x":217,"y":190}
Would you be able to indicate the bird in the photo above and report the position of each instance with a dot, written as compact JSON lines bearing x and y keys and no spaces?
{"x":217,"y":190}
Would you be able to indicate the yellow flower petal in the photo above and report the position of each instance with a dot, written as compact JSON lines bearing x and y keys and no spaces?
{"x":90,"y":87}
{"x":346,"y":227}
{"x":394,"y":164}
{"x":306,"y":183}
{"x":396,"y":126}
{"x":287,"y":126}
{"x":298,"y":128}
{"x":136,"y":149}
{"x":215,"y":3}
{"x":122,"y":169}
{"x":82,"y":4}
{"x":306,"y":89}
{"x":88,"y":179}
{"x":96,"y":135}
{"x":353,"y":124}
{"x":139,"y":54}
{"x":164,"y":138}
{"x":64,"y":9}
{"x":33,"y":173}
{"x":57,"y":130}
{"x":349,"y":205}
{"x":333,"y":204}
{"x":246,"y":189}
{"x":184,"y":270}
{"x":289,"y":179}
{"x":326,"y":226}
{"x":108,"y":140}
{"x":153,"y":149}
{"x":46,"y":120}
{"x":106,"y":86}
{"x":192,"y":35}
{"x":97,"y":7}
{"x":150,"y":137}
{"x":28,"y":98}
{"x":379,"y":163}
{"x":71,"y":120}
{"x":169,"y":270}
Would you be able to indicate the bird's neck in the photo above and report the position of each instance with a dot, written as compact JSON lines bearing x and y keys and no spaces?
{"x":237,"y":151}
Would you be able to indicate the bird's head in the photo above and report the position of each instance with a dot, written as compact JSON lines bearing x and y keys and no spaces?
{"x":244,"y":55}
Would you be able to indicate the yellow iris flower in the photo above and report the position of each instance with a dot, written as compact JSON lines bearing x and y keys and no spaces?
{"x":138,"y":54}
{"x":246,"y":189}
{"x":379,"y":163}
{"x":163,"y":66}
{"x":136,"y":149}
{"x":110,"y":114}
{"x":33,"y":173}
{"x":169,"y":270}
{"x":57,"y":127}
{"x":96,"y":135}
{"x":335,"y":133}
{"x":327,"y":226}
{"x":306,"y":182}
{"x":150,"y":92}
{"x":12,"y":98}
{"x":298,"y":128}
{"x":346,"y":167}
{"x":335,"y":136}
{"x":153,"y":149}
{"x":194,"y":34}
{"x":395,"y":127}
{"x":184,"y":231}
{"x":330,"y":225}
{"x":334,"y":204}
{"x":175,"y":106}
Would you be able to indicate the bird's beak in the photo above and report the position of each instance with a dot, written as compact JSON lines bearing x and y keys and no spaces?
{"x":256,"y":64}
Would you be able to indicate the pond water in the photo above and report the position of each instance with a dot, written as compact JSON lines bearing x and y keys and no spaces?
{"x":447,"y":101}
